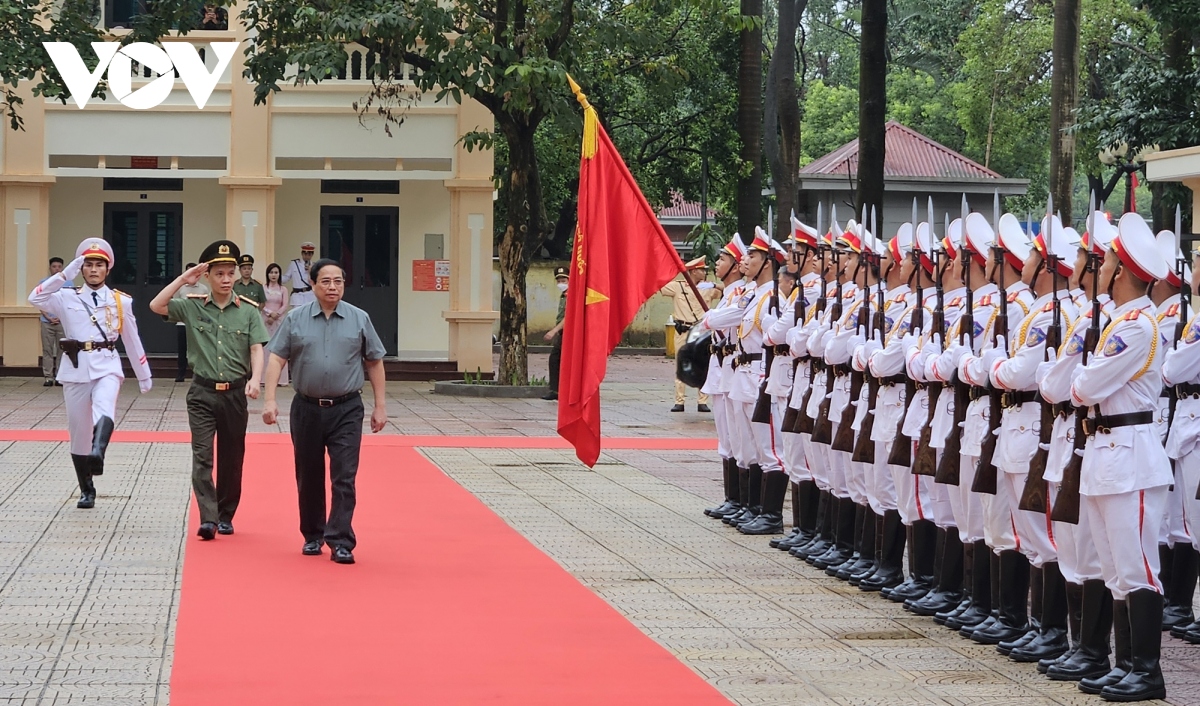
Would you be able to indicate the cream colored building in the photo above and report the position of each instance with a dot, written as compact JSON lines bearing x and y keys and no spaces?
{"x":162,"y":183}
{"x":1178,"y":165}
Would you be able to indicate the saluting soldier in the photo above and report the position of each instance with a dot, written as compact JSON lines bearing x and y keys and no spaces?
{"x":247,"y":287}
{"x":297,"y":275}
{"x":225,"y":339}
{"x":92,"y":317}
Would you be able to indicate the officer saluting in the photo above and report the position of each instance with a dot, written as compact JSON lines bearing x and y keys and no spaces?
{"x":225,"y":338}
{"x":247,"y":287}
{"x":92,"y":317}
{"x":297,"y":275}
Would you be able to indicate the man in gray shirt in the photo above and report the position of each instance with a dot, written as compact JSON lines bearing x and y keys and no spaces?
{"x":327,"y":344}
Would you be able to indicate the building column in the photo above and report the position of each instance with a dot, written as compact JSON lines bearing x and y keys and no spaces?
{"x":24,"y":230}
{"x":471,"y":314}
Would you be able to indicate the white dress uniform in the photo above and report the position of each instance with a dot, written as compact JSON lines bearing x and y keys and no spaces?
{"x":834,"y":352}
{"x":889,"y":405}
{"x":1181,"y":369}
{"x":297,"y":276}
{"x":712,"y":384}
{"x":788,"y":331}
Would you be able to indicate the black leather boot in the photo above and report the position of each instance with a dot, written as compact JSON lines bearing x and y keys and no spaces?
{"x":822,"y":533}
{"x":792,"y":537}
{"x":1122,"y":655}
{"x":1090,"y":661}
{"x":1051,"y":640}
{"x":735,"y":517}
{"x":1178,"y":610}
{"x":1074,"y":622}
{"x":1181,"y":631}
{"x":1035,"y":614}
{"x":843,"y":546}
{"x":829,"y":534}
{"x":770,"y":520}
{"x":980,"y":583}
{"x":83,"y":473}
{"x":921,"y":561}
{"x":1013,"y":621}
{"x":993,"y":597}
{"x":729,"y":477}
{"x":101,"y":434}
{"x":868,"y":552}
{"x":890,"y":543}
{"x":754,"y":487}
{"x":859,"y":558}
{"x":1144,"y":681}
{"x":968,"y":597}
{"x":948,"y":593}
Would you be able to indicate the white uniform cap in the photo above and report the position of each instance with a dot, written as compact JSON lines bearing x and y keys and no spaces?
{"x":1168,"y":248}
{"x":1100,"y":234}
{"x":1055,"y":237}
{"x":1012,"y":238}
{"x":901,"y":244}
{"x":979,"y":236}
{"x":1137,"y":248}
{"x":95,"y":248}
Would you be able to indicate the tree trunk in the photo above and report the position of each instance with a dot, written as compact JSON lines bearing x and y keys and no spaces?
{"x":750,"y":115}
{"x":872,"y":107}
{"x":1064,"y":95}
{"x":786,"y":165}
{"x":522,"y":236}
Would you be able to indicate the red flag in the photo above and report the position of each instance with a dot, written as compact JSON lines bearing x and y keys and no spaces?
{"x":622,"y":257}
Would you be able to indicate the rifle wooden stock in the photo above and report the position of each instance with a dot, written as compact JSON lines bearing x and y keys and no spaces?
{"x":791,"y":413}
{"x":1066,"y":505}
{"x":925,"y":462}
{"x":901,"y":453}
{"x":949,"y":469}
{"x":986,"y":473}
{"x":762,"y":407}
{"x":823,"y":428}
{"x":844,"y":441}
{"x":864,"y":447}
{"x":804,"y":423}
{"x":1033,"y":495}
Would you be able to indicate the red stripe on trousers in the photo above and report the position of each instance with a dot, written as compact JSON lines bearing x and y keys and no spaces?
{"x":1141,"y":522}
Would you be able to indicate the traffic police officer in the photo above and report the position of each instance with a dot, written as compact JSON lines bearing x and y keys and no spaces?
{"x":92,"y":318}
{"x":225,"y":339}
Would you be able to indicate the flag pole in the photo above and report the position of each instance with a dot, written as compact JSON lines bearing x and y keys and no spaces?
{"x":591,"y":124}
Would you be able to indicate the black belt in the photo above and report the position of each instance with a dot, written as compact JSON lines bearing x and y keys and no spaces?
{"x":783,"y":349}
{"x":220,"y":385}
{"x":1014,"y":398}
{"x":1164,"y":393}
{"x":301,"y":290}
{"x":1106,"y":423}
{"x":892,"y":380}
{"x":818,"y":365}
{"x":682,"y":327}
{"x":728,"y":349}
{"x":329,"y":401}
{"x":1187,"y":389}
{"x":979,"y":392}
{"x":1063,"y":409}
{"x":746,"y":358}
{"x":841,"y":370}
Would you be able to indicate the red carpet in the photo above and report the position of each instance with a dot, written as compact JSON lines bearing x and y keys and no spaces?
{"x":446,"y":605}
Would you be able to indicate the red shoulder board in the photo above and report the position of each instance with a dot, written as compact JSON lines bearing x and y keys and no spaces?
{"x":1173,"y":310}
{"x":1013,"y":297}
{"x":1132,"y":315}
{"x":1049,"y":306}
{"x":956,"y":301}
{"x":986,"y":301}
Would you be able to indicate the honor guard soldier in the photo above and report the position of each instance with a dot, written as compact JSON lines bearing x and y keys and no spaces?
{"x":225,"y":339}
{"x":248,"y":288}
{"x":297,"y":276}
{"x":93,"y":317}
{"x":1126,"y":471}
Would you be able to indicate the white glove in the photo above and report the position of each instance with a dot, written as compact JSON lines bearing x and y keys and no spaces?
{"x":992,"y":355}
{"x":934,"y":346}
{"x":145,"y":385}
{"x":705,"y":285}
{"x":858,"y":338}
{"x":871,"y":346}
{"x":910,"y":342}
{"x":72,"y":270}
{"x":1044,"y":367}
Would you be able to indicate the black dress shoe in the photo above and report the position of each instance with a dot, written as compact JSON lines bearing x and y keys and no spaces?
{"x":207,"y":530}
{"x":224,"y":528}
{"x":178,"y":378}
{"x":312,"y":548}
{"x":702,"y":408}
{"x":550,"y":396}
{"x":677,"y":408}
{"x":57,"y":383}
{"x":48,"y":383}
{"x":342,"y":555}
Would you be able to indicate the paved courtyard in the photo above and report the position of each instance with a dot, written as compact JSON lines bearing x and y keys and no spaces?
{"x":88,"y":599}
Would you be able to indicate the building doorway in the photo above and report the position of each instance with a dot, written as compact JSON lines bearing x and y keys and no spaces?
{"x":147,"y":242}
{"x":366,"y":241}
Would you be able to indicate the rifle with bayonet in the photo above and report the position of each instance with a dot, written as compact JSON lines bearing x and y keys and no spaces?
{"x":844,"y":441}
{"x":925,"y":462}
{"x":901,"y":453}
{"x":1034,"y":497}
{"x":804,"y":423}
{"x":823,"y":425}
{"x":864,"y":448}
{"x":986,"y":473}
{"x":762,"y":407}
{"x":950,"y":467}
{"x":1066,"y":505}
{"x":791,"y":417}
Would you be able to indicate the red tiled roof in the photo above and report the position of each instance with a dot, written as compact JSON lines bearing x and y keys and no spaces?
{"x":908,"y":154}
{"x":681,"y":208}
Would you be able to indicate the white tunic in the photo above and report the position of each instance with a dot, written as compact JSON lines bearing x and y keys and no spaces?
{"x":297,"y":276}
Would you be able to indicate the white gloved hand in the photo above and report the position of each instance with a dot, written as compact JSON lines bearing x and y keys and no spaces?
{"x":1044,"y":367}
{"x":871,"y":346}
{"x":998,"y":353}
{"x":910,"y":342}
{"x":956,"y":353}
{"x":145,"y":385}
{"x":72,"y":270}
{"x":705,"y":285}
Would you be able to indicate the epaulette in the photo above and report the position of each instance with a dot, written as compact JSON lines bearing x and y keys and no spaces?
{"x":197,"y":296}
{"x":955,"y":302}
{"x":1014,"y":297}
{"x":1173,"y":310}
{"x":986,"y":301}
{"x":1132,"y":315}
{"x":249,"y":301}
{"x":1049,"y":306}
{"x":130,"y":296}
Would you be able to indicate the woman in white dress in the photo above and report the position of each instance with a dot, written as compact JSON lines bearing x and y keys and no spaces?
{"x":275,"y":308}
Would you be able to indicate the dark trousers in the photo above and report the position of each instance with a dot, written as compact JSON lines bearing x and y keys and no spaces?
{"x":181,"y":348}
{"x":223,"y":415}
{"x":555,"y":362}
{"x":338,"y":430}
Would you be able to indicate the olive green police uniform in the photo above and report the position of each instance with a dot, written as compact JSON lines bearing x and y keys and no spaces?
{"x":219,"y":341}
{"x":254,"y":290}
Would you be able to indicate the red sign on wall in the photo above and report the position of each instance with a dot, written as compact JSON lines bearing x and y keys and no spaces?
{"x":431,"y":276}
{"x":143,"y":162}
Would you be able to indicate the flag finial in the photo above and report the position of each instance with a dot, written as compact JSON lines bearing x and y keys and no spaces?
{"x":591,"y":121}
